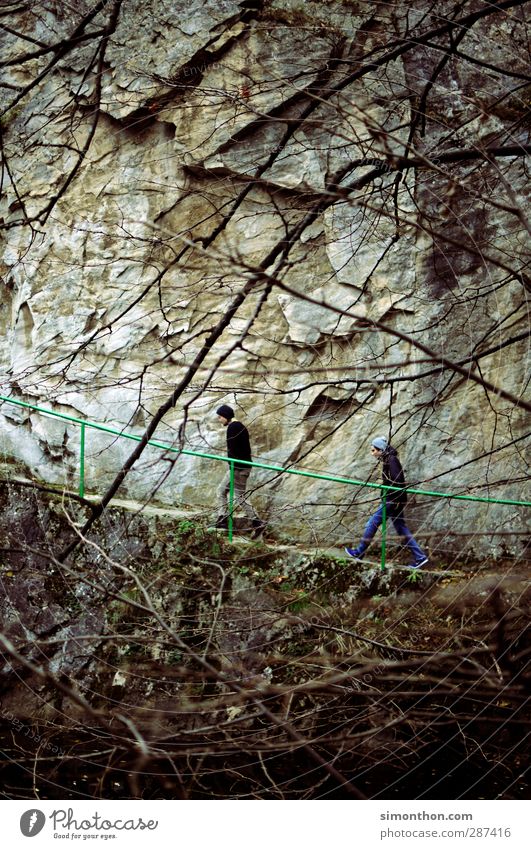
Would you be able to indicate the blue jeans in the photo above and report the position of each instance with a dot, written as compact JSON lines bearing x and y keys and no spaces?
{"x":400,"y":526}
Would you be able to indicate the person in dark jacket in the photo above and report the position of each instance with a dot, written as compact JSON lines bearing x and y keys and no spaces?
{"x":239,"y":448}
{"x":392,"y":475}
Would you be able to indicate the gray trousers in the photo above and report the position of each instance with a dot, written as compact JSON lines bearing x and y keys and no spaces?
{"x":240,"y":484}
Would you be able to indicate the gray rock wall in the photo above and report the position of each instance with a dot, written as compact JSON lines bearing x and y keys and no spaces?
{"x":148,"y":174}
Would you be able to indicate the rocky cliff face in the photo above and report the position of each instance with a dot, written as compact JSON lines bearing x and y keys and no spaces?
{"x":270,"y":205}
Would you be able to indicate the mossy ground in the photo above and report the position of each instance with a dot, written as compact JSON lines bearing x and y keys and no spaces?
{"x":340,"y":650}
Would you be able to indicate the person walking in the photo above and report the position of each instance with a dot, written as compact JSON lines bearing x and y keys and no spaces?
{"x":392,"y":475}
{"x":238,"y":448}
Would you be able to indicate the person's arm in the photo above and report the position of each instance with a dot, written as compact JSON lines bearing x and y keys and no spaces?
{"x":396,"y":478}
{"x":396,"y":473}
{"x":237,"y":441}
{"x":231,"y":439}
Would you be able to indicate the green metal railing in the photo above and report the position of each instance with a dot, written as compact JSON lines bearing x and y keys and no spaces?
{"x":85,"y":423}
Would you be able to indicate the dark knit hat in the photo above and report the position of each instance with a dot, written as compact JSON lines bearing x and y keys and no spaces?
{"x":225,"y":411}
{"x":380,"y":442}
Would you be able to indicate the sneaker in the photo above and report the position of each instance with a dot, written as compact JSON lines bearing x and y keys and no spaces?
{"x":354,"y":553}
{"x":222,"y":522}
{"x":418,"y":564}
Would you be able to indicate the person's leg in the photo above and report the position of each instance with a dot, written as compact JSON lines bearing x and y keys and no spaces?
{"x":370,"y":529}
{"x":223,"y":492}
{"x":402,"y":529}
{"x":241,"y":477}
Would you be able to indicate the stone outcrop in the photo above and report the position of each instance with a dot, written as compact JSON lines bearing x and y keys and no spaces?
{"x":150,"y":173}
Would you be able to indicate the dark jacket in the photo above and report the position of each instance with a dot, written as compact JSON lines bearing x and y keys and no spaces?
{"x":393,"y":475}
{"x":238,"y":445}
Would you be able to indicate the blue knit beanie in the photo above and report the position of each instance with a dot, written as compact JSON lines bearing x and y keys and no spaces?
{"x":380,"y":442}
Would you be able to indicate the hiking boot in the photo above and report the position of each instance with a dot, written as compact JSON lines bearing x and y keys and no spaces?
{"x":355,"y":554}
{"x":259,"y":527}
{"x":418,"y":564}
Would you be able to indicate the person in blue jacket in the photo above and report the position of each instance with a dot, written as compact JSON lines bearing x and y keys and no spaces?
{"x":239,"y":448}
{"x":392,"y":475}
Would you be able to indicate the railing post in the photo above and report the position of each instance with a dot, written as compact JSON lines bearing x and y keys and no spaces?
{"x":231,"y":497}
{"x":82,"y":462}
{"x":384,"y":528}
